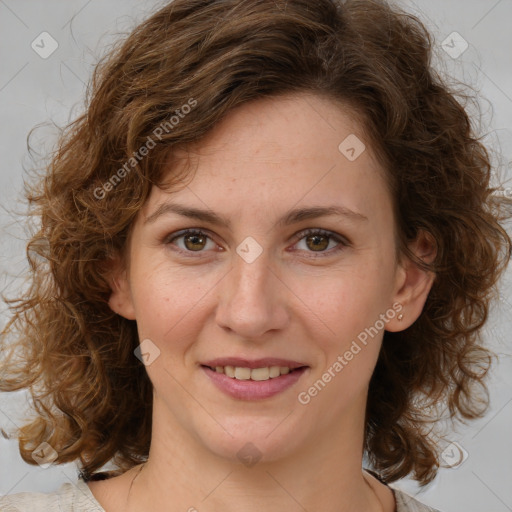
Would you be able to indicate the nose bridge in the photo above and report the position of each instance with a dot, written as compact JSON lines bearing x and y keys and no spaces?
{"x":251,"y":269}
{"x":249,"y":301}
{"x":251,"y":277}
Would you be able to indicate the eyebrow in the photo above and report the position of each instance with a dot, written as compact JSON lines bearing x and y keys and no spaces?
{"x":291,"y":217}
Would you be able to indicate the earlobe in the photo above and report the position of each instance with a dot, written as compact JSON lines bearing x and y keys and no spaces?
{"x":120,"y":300}
{"x":413,"y":283}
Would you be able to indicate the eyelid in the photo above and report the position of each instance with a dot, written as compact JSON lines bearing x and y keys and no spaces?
{"x":169,"y":239}
{"x":342,"y":241}
{"x":325,"y":232}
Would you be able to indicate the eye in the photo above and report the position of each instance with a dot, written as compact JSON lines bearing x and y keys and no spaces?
{"x":319,"y":240}
{"x":315,"y":241}
{"x":193,"y":240}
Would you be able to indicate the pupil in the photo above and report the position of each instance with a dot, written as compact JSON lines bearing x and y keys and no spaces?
{"x":194,"y":242}
{"x":316,"y":243}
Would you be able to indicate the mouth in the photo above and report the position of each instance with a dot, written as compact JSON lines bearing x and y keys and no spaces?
{"x":255,"y":374}
{"x":251,"y":380}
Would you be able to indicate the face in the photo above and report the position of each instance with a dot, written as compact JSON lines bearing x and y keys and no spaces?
{"x":276,"y":290}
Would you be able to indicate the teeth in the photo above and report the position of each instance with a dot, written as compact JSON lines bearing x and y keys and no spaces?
{"x":242,"y":373}
{"x":274,"y":371}
{"x":260,"y":373}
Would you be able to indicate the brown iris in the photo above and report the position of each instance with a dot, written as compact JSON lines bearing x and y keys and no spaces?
{"x":197,"y":241}
{"x":315,"y":239}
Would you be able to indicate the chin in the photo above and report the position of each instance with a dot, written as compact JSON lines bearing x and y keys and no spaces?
{"x":251,"y":440}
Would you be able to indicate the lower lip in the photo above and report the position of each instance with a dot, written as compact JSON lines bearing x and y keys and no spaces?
{"x":253,"y":389}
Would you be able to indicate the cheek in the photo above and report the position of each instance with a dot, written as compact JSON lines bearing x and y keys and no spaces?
{"x":349,"y":315}
{"x":168,"y":298}
{"x":345,"y":302}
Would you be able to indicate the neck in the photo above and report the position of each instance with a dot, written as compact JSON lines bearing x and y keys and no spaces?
{"x":325,"y":474}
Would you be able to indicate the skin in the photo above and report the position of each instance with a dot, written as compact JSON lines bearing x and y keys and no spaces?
{"x":265,"y":158}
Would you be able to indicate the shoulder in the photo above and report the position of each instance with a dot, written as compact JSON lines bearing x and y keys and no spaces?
{"x":406,"y":503}
{"x":75,"y":497}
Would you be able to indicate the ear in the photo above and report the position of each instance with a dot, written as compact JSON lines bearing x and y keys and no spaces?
{"x":413,"y":283}
{"x":120,"y":300}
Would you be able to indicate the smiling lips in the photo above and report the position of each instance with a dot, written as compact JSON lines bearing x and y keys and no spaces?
{"x":257,"y":379}
{"x":244,"y":373}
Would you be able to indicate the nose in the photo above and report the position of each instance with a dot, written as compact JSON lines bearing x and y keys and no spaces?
{"x":252,"y":299}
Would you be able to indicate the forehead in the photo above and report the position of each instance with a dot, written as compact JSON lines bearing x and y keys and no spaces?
{"x":293,"y":126}
{"x":278,"y":152}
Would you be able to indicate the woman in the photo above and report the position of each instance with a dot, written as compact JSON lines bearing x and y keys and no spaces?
{"x":266,"y":251}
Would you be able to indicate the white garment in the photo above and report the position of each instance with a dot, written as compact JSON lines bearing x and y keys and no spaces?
{"x":79,"y":498}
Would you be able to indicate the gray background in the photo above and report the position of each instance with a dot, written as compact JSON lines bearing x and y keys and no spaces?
{"x":36,"y":90}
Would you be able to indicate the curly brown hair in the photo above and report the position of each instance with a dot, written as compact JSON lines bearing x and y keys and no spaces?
{"x":92,"y":397}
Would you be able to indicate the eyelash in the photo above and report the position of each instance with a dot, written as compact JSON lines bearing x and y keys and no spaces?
{"x":342,"y":242}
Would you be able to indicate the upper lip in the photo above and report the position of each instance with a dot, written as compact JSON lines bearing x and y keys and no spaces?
{"x":254,"y":363}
